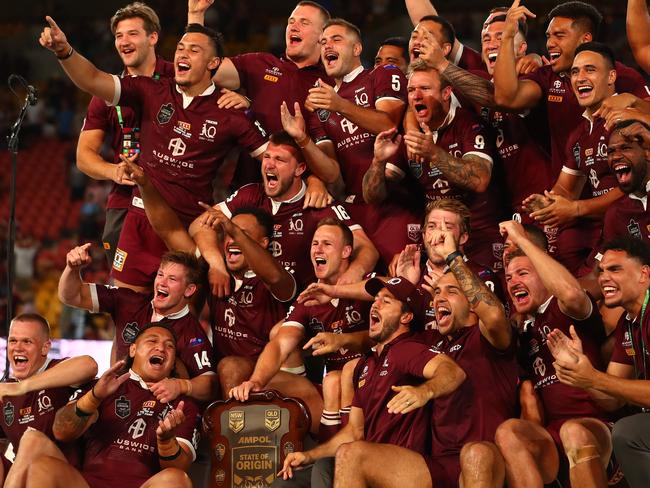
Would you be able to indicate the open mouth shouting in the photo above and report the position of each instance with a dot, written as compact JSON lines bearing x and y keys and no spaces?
{"x":421,"y":110}
{"x":623,"y":172}
{"x":320,"y":265}
{"x":443,"y":315}
{"x":584,"y":91}
{"x":330,"y":58}
{"x":233,"y":254}
{"x":609,"y":291}
{"x":272,"y":181}
{"x":520,"y":297}
{"x":294,"y":40}
{"x":182,"y":67}
{"x":554,"y":56}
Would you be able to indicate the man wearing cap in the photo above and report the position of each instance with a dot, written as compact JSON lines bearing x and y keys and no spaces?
{"x":397,"y":359}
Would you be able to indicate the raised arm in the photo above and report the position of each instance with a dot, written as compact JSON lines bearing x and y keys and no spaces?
{"x":638,"y":32}
{"x":320,"y":160}
{"x":72,"y":290}
{"x":71,"y":372}
{"x":364,"y":258}
{"x":278,"y":280}
{"x":81,"y":72}
{"x":509,"y":91}
{"x":475,"y":88}
{"x":162,"y":217}
{"x":71,"y":421}
{"x":572,"y":299}
{"x":196,"y":10}
{"x":375,"y":181}
{"x":489,"y":309}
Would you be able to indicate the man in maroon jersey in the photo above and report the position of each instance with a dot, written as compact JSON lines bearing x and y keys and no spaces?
{"x":455,"y":158}
{"x":36,"y":388}
{"x":241,"y":323}
{"x":175,"y":283}
{"x":521,"y":138}
{"x":183,"y":142}
{"x":544,"y":292}
{"x":424,"y":17}
{"x":131,"y":438}
{"x":269,"y":80}
{"x":336,"y":330}
{"x":338,"y":142}
{"x":474,"y":332}
{"x":567,"y":206}
{"x":393,"y":50}
{"x":136,"y":28}
{"x":629,"y":158}
{"x":377,"y":415}
{"x":624,"y":277}
{"x":571,"y":24}
{"x":282,"y":194}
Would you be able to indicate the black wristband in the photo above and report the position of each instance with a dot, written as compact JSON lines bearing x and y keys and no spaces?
{"x":172,"y":457}
{"x":66,"y":56}
{"x":80,"y":413}
{"x":449,"y":259}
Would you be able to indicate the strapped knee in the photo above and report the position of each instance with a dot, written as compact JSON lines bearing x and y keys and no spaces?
{"x":582,"y":454}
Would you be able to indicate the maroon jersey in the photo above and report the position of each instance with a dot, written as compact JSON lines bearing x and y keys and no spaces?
{"x":401,"y":362}
{"x":34,"y":410}
{"x":525,"y":164}
{"x":338,"y":316}
{"x":423,"y":309}
{"x":463,"y":133}
{"x":184,"y":140}
{"x":473,"y":412}
{"x":131,"y":310}
{"x":395,"y":223}
{"x":630,"y":348}
{"x":564,"y":112}
{"x":121,"y":448}
{"x":293,"y":226}
{"x":354,"y":145}
{"x":469,"y":59}
{"x":242,"y":322}
{"x":116,"y":122}
{"x":269,"y":81}
{"x":561,"y":402}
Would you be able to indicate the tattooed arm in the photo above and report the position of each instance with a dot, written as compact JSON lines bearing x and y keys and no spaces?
{"x":71,"y":421}
{"x":491,"y":314}
{"x":471,"y":86}
{"x":375,"y":181}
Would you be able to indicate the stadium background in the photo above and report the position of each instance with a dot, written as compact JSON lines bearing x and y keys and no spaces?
{"x":58,"y":206}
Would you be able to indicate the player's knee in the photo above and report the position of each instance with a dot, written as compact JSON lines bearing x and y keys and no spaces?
{"x":475,"y":454}
{"x":350,"y":454}
{"x":575,"y":435}
{"x":506,"y":436}
{"x":33,"y":438}
{"x":232,"y":366}
{"x":173,"y":478}
{"x":332,"y":390}
{"x":41,"y":469}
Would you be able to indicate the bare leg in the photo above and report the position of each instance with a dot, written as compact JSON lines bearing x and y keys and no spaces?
{"x":49,"y":472}
{"x":169,"y":478}
{"x":587,"y":443}
{"x":298,"y":386}
{"x":330,"y":421}
{"x":482,"y":466}
{"x":232,"y":371}
{"x":33,"y":445}
{"x":357,"y":466}
{"x":529,"y":452}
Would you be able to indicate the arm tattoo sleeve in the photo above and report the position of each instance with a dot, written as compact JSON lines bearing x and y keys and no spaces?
{"x":477,"y":89}
{"x":374,"y":184}
{"x":69,"y":423}
{"x":473,"y":287}
{"x":469,"y":173}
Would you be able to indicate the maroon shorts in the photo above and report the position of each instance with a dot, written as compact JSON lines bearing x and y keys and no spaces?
{"x":138,"y":252}
{"x":444,"y":470}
